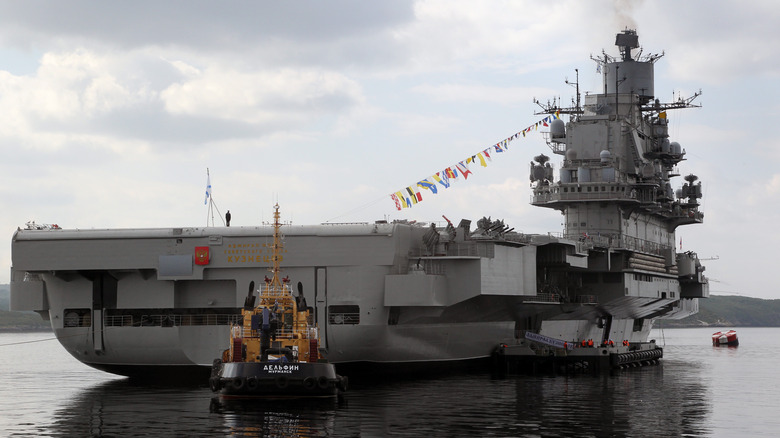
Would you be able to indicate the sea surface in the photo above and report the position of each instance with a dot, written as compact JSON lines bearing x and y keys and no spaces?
{"x":698,"y":390}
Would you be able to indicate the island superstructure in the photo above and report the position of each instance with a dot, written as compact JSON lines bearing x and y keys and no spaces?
{"x":615,"y":192}
{"x":384,"y":294}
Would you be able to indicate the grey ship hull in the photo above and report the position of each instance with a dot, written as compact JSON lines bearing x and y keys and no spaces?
{"x":121,"y":300}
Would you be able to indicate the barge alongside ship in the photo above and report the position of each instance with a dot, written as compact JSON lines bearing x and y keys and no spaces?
{"x":137,"y":301}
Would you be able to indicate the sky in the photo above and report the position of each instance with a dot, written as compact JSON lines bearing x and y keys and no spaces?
{"x":112,"y":112}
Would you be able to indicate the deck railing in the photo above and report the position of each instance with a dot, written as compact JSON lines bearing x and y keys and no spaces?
{"x":170,"y":320}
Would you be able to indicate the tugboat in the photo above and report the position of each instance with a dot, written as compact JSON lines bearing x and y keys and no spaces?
{"x":274,"y":348}
{"x":728,"y":339}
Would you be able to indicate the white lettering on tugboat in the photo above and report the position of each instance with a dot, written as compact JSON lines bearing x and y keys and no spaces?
{"x":283,"y":369}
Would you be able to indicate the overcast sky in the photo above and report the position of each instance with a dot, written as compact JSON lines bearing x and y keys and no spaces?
{"x":112,"y":112}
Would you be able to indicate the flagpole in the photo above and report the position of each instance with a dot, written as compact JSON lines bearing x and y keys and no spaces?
{"x":212,"y":205}
{"x":208,"y":198}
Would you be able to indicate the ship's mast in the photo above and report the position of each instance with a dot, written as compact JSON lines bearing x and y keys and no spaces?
{"x":276,"y":253}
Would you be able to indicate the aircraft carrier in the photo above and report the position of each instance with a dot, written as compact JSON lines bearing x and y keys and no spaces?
{"x":144,"y":301}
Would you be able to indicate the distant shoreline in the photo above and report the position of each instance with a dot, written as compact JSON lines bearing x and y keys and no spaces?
{"x":26,"y":330}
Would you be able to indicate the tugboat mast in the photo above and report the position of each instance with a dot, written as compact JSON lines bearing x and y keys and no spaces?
{"x":277,"y":247}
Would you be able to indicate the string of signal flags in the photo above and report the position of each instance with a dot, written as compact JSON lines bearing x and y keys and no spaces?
{"x":411,"y":195}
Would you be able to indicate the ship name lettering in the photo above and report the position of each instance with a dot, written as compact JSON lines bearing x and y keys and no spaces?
{"x":283,"y":369}
{"x":244,"y":259}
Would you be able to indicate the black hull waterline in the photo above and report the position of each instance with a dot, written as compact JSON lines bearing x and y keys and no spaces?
{"x":276,"y":379}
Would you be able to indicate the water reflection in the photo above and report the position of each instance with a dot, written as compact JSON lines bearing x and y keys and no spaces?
{"x":127,"y":408}
{"x":646,"y":402}
{"x":278,"y":418}
{"x":667,"y":400}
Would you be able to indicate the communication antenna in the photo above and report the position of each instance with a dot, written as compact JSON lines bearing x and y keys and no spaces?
{"x":576,"y":86}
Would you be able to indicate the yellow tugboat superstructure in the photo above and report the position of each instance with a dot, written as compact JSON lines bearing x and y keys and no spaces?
{"x":274,"y":350}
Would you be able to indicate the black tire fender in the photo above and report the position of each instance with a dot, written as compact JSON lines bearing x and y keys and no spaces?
{"x":237,"y":383}
{"x":322,"y":382}
{"x":282,"y":382}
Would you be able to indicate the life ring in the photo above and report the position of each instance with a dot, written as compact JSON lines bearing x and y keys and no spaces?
{"x":309,"y":383}
{"x":252,"y":383}
{"x":237,"y":383}
{"x":322,"y":382}
{"x":282,"y":382}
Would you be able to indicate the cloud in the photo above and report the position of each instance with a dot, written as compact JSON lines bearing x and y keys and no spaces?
{"x":199,"y":24}
{"x":82,"y":94}
{"x":481,"y":93}
{"x":266,"y":97}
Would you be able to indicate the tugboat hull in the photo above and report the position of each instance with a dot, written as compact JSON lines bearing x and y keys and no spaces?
{"x":276,"y":379}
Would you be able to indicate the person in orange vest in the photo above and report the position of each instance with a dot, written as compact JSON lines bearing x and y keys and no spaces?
{"x":590,"y":342}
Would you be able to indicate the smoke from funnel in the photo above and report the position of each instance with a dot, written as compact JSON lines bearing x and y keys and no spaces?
{"x":624,"y":11}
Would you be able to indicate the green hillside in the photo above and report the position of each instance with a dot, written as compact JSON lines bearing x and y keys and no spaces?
{"x":732,"y":311}
{"x":4,"y":294}
{"x":22,"y":321}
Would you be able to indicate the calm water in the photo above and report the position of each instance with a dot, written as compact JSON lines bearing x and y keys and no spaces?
{"x":697,"y":391}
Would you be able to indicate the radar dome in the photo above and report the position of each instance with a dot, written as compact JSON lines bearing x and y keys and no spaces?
{"x":605,"y":156}
{"x":571,"y":154}
{"x":558,"y":129}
